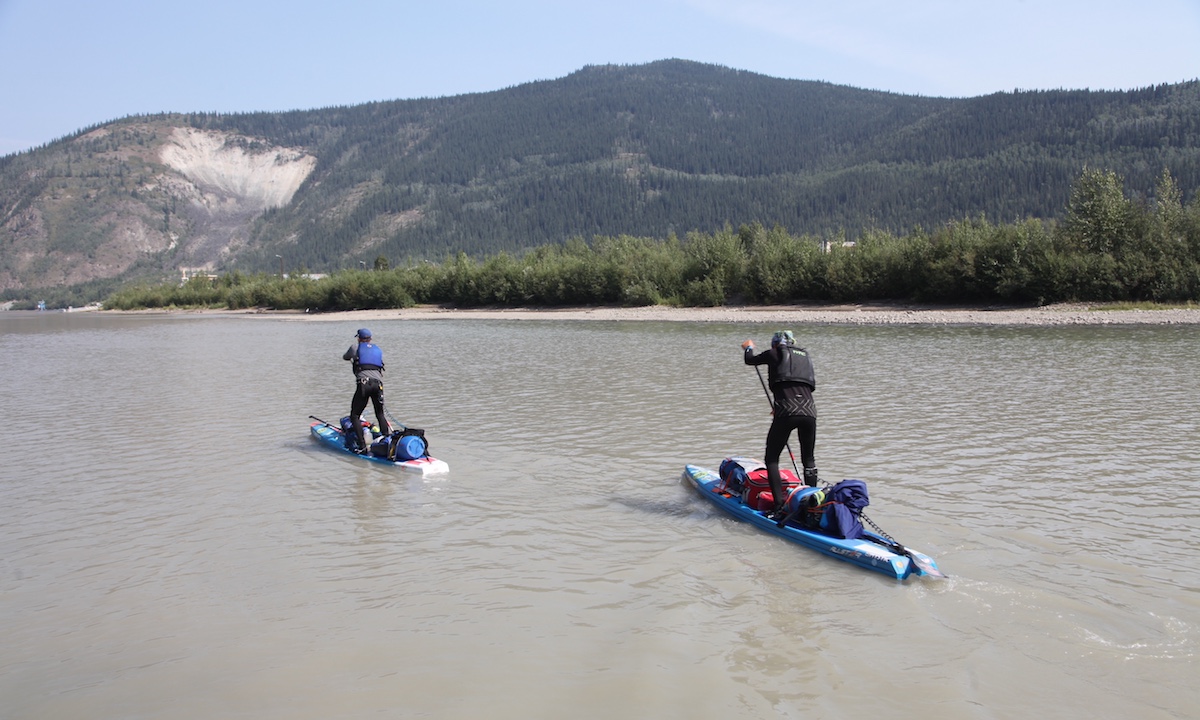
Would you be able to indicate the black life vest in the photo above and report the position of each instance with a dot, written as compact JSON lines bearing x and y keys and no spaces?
{"x":793,"y":365}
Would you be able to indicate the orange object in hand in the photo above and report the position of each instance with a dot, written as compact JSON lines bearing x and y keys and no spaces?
{"x":748,"y":344}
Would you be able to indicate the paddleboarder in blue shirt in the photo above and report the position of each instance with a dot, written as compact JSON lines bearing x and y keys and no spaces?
{"x":792,"y":380}
{"x":367,"y":359}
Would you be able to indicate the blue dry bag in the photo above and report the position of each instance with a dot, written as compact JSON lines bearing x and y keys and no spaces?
{"x":410,"y":447}
{"x":408,"y":444}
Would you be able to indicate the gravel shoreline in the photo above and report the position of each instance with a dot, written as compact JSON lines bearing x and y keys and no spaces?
{"x":1064,"y":314}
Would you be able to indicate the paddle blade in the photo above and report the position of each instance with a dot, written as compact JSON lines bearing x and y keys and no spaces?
{"x":925,"y":565}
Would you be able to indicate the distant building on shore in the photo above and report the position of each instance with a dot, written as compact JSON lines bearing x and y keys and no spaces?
{"x":186,"y":274}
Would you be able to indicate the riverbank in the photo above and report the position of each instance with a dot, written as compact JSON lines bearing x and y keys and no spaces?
{"x":1062,"y":314}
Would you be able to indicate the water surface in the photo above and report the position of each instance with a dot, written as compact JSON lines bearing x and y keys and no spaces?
{"x":173,"y":544}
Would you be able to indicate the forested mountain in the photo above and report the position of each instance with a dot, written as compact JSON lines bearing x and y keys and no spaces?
{"x":649,"y":150}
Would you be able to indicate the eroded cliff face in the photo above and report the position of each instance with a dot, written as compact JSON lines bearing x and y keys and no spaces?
{"x":230,"y":167}
{"x":170,"y":196}
{"x":227,"y":182}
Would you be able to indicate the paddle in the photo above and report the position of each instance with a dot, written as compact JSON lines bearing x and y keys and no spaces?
{"x":925,"y":566}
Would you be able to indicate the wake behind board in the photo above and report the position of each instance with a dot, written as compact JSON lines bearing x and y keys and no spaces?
{"x":333,"y":438}
{"x":872,"y":552}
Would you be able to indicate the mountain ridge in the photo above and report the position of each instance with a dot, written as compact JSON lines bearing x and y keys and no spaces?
{"x":666,"y":147}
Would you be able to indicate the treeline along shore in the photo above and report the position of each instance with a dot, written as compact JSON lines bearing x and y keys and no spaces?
{"x":1109,"y":248}
{"x":774,"y":315}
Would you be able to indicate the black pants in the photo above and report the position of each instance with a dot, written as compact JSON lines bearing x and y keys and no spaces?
{"x":369,"y":390}
{"x":777,"y":437}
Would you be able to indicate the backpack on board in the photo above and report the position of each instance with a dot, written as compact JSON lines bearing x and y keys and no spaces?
{"x":735,"y":473}
{"x":354,"y":440}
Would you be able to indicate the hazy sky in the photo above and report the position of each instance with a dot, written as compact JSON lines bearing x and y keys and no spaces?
{"x":68,"y":64}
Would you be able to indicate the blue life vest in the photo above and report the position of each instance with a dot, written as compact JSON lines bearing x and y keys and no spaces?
{"x":369,"y":356}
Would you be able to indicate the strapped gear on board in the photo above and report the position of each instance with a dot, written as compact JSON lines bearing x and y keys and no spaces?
{"x":355,"y":436}
{"x":833,"y":511}
{"x":746,"y":478}
{"x":406,"y":444}
{"x":399,"y":445}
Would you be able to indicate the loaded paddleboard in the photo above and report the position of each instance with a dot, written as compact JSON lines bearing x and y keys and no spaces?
{"x":332,"y":436}
{"x":872,"y":551}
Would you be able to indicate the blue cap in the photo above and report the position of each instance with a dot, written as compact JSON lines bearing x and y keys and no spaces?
{"x":364,"y":334}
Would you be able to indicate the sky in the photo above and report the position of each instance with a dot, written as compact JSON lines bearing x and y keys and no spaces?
{"x":70,"y":64}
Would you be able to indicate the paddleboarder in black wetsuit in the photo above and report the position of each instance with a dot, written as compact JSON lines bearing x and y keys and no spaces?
{"x":792,"y":381}
{"x":367,"y":359}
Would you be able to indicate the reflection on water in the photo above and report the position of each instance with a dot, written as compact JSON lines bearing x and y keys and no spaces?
{"x":173,"y":544}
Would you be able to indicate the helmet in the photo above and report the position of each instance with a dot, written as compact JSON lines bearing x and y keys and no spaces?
{"x":782,"y":337}
{"x":364,"y":334}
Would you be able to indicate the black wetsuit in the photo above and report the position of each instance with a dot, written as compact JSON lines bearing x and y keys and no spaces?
{"x":368,"y":386}
{"x":792,"y":381}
